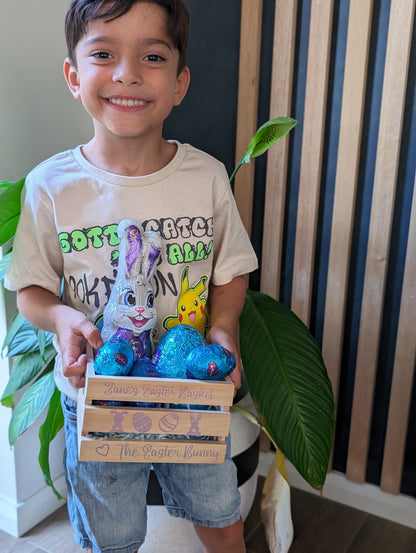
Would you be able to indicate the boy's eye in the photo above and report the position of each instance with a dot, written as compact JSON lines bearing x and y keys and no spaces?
{"x":101,"y":55}
{"x":154,"y":58}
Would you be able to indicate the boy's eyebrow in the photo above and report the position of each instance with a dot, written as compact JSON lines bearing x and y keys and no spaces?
{"x":97,"y":38}
{"x":152,"y":41}
{"x":147,"y":42}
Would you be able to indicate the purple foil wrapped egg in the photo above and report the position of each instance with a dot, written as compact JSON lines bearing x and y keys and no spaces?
{"x":173,"y":349}
{"x":209,"y":362}
{"x":114,"y":358}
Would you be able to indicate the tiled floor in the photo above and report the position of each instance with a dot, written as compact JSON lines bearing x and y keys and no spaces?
{"x":320,"y":526}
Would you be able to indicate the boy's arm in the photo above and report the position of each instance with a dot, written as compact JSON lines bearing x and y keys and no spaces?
{"x":73,"y":329}
{"x":226,"y":303}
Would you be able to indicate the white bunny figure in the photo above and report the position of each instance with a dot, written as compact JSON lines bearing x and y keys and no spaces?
{"x":130,"y":314}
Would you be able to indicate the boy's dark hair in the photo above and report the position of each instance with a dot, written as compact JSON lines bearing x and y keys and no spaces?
{"x":81,"y":12}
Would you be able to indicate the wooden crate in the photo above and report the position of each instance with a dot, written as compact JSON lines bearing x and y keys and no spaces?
{"x":163,"y":435}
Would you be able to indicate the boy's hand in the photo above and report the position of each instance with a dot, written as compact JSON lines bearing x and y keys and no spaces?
{"x":73,"y":337}
{"x":73,"y":329}
{"x":226,"y":303}
{"x":225,"y":339}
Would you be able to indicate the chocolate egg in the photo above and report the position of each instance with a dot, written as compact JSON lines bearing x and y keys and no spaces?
{"x":209,"y":362}
{"x":114,"y":358}
{"x":173,"y":349}
{"x":143,"y":367}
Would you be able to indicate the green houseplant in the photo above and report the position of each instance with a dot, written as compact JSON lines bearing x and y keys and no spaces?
{"x":284,"y":369}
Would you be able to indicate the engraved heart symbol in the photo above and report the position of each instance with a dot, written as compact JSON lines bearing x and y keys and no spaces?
{"x":103,"y":450}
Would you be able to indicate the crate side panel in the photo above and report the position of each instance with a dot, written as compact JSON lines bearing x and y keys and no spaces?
{"x":160,"y":390}
{"x":155,"y":421}
{"x":152,"y":451}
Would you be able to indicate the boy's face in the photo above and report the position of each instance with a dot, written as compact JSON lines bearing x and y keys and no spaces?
{"x":126,"y":73}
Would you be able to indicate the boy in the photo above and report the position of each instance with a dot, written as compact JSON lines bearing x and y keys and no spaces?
{"x":126,"y":63}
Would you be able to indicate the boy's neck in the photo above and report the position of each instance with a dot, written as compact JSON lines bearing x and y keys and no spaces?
{"x":129,"y":158}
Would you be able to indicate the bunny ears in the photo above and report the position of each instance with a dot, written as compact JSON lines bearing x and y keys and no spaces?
{"x":140,"y":251}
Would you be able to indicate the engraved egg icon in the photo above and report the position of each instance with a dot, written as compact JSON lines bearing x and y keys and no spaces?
{"x":169,"y":422}
{"x":141,"y":422}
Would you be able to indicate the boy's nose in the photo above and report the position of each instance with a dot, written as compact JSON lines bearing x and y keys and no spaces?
{"x":127,"y":72}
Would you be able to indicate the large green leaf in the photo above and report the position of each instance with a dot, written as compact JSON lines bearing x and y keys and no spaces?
{"x":5,"y":184}
{"x":289,"y":384}
{"x":10,"y":210}
{"x":53,"y":423}
{"x":15,"y":324}
{"x":4,"y":264}
{"x":41,"y":336}
{"x":26,"y":368}
{"x":33,"y":402}
{"x":26,"y":340}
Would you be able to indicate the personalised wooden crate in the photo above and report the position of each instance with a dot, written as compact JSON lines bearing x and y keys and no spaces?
{"x":161,"y":435}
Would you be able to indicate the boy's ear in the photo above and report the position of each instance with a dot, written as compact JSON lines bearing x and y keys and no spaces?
{"x":71,"y":77}
{"x":182,"y":84}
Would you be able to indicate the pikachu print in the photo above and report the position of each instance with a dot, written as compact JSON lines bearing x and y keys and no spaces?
{"x":191,"y":305}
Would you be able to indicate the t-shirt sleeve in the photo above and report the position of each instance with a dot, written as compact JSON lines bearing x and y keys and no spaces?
{"x":36,"y":257}
{"x":233,"y":253}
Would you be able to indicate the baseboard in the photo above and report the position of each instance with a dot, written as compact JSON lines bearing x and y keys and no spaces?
{"x":366,"y":497}
{"x":17,"y":518}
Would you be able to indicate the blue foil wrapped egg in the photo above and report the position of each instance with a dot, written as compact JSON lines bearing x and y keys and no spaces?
{"x":173,"y":349}
{"x":209,"y":362}
{"x":114,"y":358}
{"x":143,"y":367}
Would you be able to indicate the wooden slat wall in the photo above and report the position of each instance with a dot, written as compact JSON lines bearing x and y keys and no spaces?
{"x":388,"y":151}
{"x":311,"y":162}
{"x":355,"y":78}
{"x":313,"y":128}
{"x":277,"y":159}
{"x":248,"y":97}
{"x":403,"y":370}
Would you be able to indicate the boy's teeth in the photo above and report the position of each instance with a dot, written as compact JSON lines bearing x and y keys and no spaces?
{"x":127,"y":103}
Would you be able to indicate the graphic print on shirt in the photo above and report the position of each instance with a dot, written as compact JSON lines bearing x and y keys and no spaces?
{"x":190,"y":308}
{"x":181,"y":277}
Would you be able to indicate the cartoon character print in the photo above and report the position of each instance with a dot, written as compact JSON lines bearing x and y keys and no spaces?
{"x":191,"y":304}
{"x":130,"y":313}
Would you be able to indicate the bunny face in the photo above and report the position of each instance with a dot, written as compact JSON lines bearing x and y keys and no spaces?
{"x":135,"y":310}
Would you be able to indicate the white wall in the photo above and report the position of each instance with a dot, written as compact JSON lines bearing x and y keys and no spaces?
{"x":38,"y":117}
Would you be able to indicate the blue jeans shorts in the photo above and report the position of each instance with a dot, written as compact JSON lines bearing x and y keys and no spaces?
{"x":107,"y":501}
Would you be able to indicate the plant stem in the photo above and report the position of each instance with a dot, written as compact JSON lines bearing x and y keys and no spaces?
{"x":242,"y":160}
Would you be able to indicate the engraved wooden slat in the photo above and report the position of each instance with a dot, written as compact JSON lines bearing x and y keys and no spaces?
{"x":388,"y":149}
{"x":353,"y":100}
{"x":403,"y":372}
{"x":312,"y":147}
{"x":154,"y":421}
{"x":152,"y":451}
{"x":248,"y":93}
{"x":160,"y":390}
{"x":277,"y":156}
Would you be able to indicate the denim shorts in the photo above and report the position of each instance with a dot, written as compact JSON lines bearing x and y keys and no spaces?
{"x":107,"y":501}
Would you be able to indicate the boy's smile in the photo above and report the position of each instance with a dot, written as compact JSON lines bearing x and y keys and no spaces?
{"x":126,"y":76}
{"x":124,"y":103}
